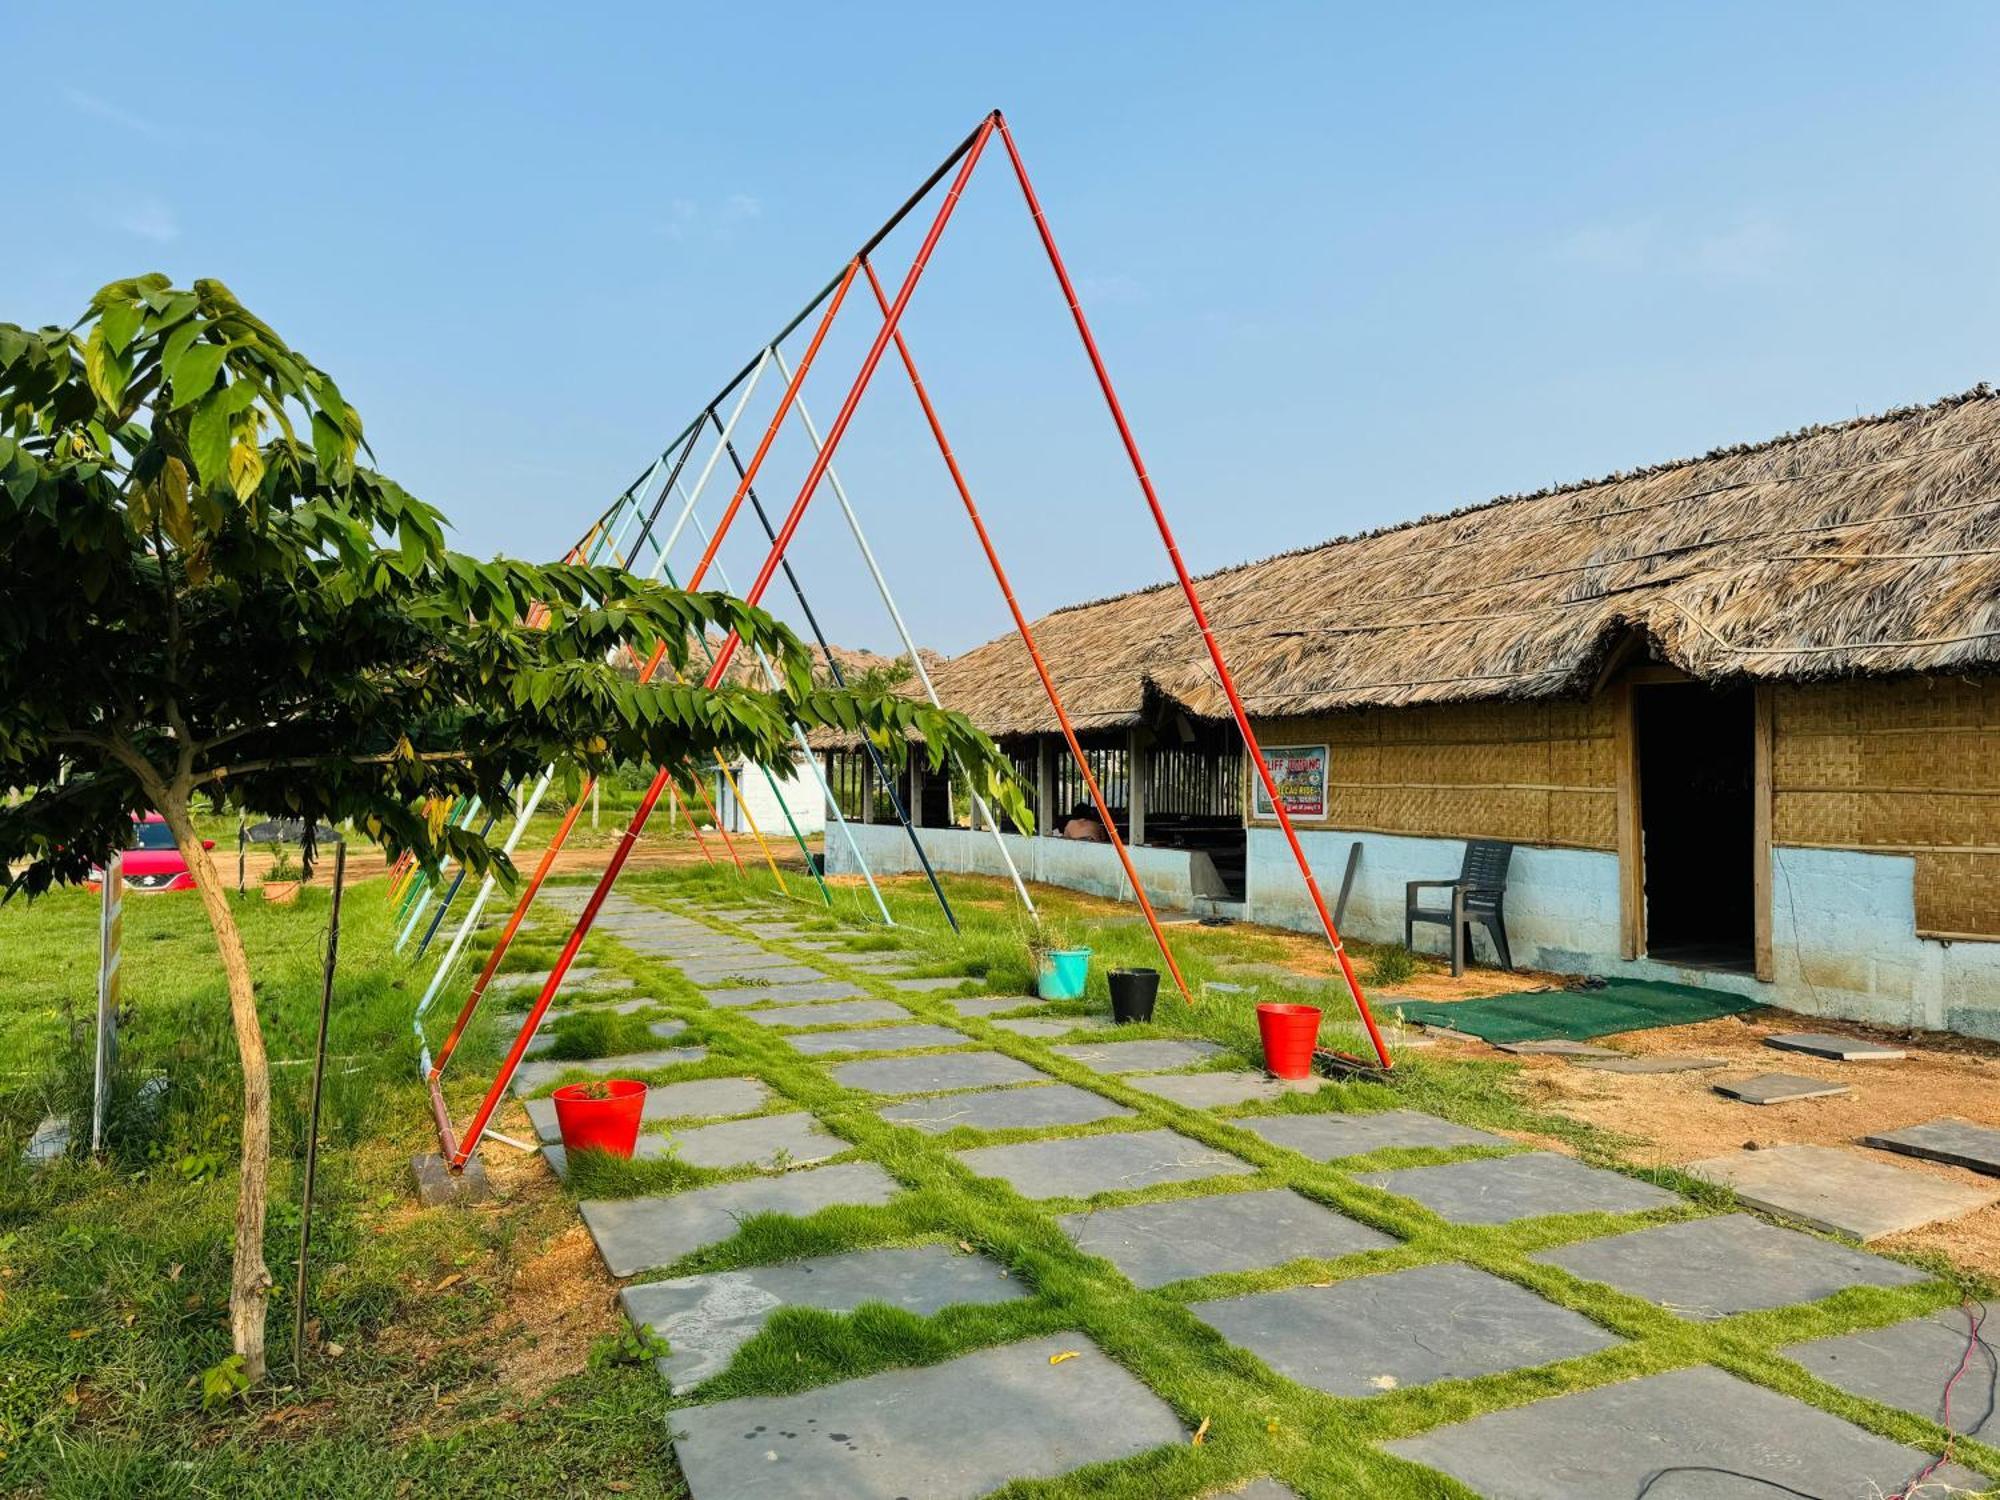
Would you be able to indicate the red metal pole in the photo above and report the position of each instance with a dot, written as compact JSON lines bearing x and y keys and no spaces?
{"x":470,"y":1142}
{"x":1187,"y":587}
{"x":1034,"y":652}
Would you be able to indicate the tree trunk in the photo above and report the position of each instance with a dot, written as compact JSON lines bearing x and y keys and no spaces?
{"x":250,"y":1279}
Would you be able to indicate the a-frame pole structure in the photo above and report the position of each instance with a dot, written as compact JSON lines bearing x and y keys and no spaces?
{"x":968,"y":159}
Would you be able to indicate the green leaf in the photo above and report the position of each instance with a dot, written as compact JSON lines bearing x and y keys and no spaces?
{"x":192,"y":375}
{"x":208,"y":438}
{"x":120,"y":322}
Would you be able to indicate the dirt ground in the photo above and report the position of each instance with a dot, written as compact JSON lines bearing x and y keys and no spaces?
{"x":1679,"y":1118}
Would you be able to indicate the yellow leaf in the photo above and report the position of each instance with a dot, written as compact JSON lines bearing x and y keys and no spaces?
{"x":452,"y":1280}
{"x":175,"y":517}
{"x":246,"y":465}
{"x":1056,"y":1359}
{"x":1200,"y":1434}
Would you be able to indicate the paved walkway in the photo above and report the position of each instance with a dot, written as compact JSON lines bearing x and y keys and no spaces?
{"x":1140,"y":1268}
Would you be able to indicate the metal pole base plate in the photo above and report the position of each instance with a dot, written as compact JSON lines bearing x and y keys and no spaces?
{"x":437,"y":1183}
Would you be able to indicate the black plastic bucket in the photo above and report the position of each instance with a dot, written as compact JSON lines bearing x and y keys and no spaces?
{"x":1133,"y":992}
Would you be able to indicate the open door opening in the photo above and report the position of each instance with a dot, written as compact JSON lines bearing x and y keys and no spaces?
{"x":1697,"y":817}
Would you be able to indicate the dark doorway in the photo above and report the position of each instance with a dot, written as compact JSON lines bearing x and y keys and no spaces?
{"x":1697,"y":815}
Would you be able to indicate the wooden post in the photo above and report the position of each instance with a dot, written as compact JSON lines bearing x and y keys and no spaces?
{"x":1045,"y":785}
{"x":1631,"y":841}
{"x":1763,"y":745}
{"x":1137,"y":756}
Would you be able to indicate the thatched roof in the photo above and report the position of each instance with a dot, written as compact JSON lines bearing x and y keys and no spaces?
{"x":1871,"y":546}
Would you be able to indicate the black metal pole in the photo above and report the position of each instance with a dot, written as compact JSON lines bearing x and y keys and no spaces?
{"x":840,"y":680}
{"x":312,"y":1114}
{"x":646,"y":527}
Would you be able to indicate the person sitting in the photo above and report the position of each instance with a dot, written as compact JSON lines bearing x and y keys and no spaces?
{"x":1084,"y":824}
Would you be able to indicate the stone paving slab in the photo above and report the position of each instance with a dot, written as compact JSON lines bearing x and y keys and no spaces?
{"x":1957,"y":1143}
{"x":1909,"y":1365}
{"x":1157,"y":1243}
{"x":1843,"y":1191}
{"x":1260,"y":1489}
{"x":953,"y":1431}
{"x":1835,"y":1048}
{"x":701,"y":976}
{"x":1655,"y":1062}
{"x":1222,"y":1090}
{"x":531,"y":1076}
{"x":875,"y":1039}
{"x":829,"y":1013}
{"x":1006,"y":1109}
{"x":1372,"y":1334}
{"x":1331,"y":1137}
{"x":1041,"y":1027}
{"x":791,"y":1140}
{"x":1089,"y":1165}
{"x":926,"y":986}
{"x":706,"y":1319}
{"x":1780,"y":1088}
{"x":1501,"y":1189}
{"x":699,"y":1099}
{"x":936,"y":1073}
{"x":1617,"y":1440}
{"x":1556,"y":1047}
{"x":988,"y":1005}
{"x":1139,"y":1057}
{"x":636,"y":1234}
{"x":783,"y":994}
{"x":1713,"y":1268}
{"x":580,"y":975}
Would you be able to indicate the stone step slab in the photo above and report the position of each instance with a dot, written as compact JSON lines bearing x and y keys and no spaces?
{"x":953,"y":1431}
{"x":875,"y":1039}
{"x":1331,"y":1137}
{"x":1656,"y":1062}
{"x":1088,"y":1165}
{"x":706,"y":1319}
{"x":1043,"y":1108}
{"x":1222,"y":1090}
{"x":1040,"y":1028}
{"x":1139,"y":1057}
{"x":1835,"y":1048}
{"x":1780,"y":1088}
{"x":637,"y":1234}
{"x":1826,"y":1187}
{"x":1158,"y":1243}
{"x":1617,"y":1439}
{"x":796,"y":992}
{"x":828,"y":1013}
{"x":1501,"y":1189}
{"x":1715,"y":1268}
{"x":936,"y":1073}
{"x":1957,"y":1143}
{"x":1909,"y":1366}
{"x":1373,"y":1334}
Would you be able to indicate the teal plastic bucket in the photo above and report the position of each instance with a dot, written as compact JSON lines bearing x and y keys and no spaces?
{"x":1064,"y":974}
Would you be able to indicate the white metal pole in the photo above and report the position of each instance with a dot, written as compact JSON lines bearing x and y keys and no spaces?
{"x":707,"y":469}
{"x":430,"y":886}
{"x":902,"y":629}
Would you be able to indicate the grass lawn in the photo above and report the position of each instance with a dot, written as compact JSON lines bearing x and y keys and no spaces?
{"x":478,"y":1349}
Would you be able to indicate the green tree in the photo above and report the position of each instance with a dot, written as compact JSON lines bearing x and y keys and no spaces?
{"x":206,"y":598}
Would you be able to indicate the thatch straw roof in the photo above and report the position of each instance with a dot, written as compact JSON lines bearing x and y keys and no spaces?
{"x":1872,"y":546}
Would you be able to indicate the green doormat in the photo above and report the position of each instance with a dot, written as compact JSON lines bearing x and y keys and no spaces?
{"x":1578,"y":1015}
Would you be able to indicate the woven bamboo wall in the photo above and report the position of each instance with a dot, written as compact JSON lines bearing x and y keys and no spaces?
{"x":1903,"y":766}
{"x":1532,"y":773}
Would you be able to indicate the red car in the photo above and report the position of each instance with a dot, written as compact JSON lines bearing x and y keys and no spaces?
{"x":151,"y":862}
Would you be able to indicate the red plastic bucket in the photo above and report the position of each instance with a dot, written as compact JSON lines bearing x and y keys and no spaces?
{"x":607,"y":1124}
{"x":1289,"y":1032}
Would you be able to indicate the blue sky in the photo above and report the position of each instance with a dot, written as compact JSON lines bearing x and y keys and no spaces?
{"x":1348,"y":264}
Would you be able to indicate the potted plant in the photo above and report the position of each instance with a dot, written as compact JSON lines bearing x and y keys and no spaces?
{"x":602,"y":1115}
{"x":281,"y":881}
{"x":1060,"y":964}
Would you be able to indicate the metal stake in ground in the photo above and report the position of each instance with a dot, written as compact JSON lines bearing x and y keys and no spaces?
{"x":312,"y":1112}
{"x":110,"y":950}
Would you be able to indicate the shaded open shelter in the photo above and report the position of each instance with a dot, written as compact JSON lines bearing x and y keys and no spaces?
{"x":1741,"y":713}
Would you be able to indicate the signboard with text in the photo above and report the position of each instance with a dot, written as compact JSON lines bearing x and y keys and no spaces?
{"x":1300,"y":774}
